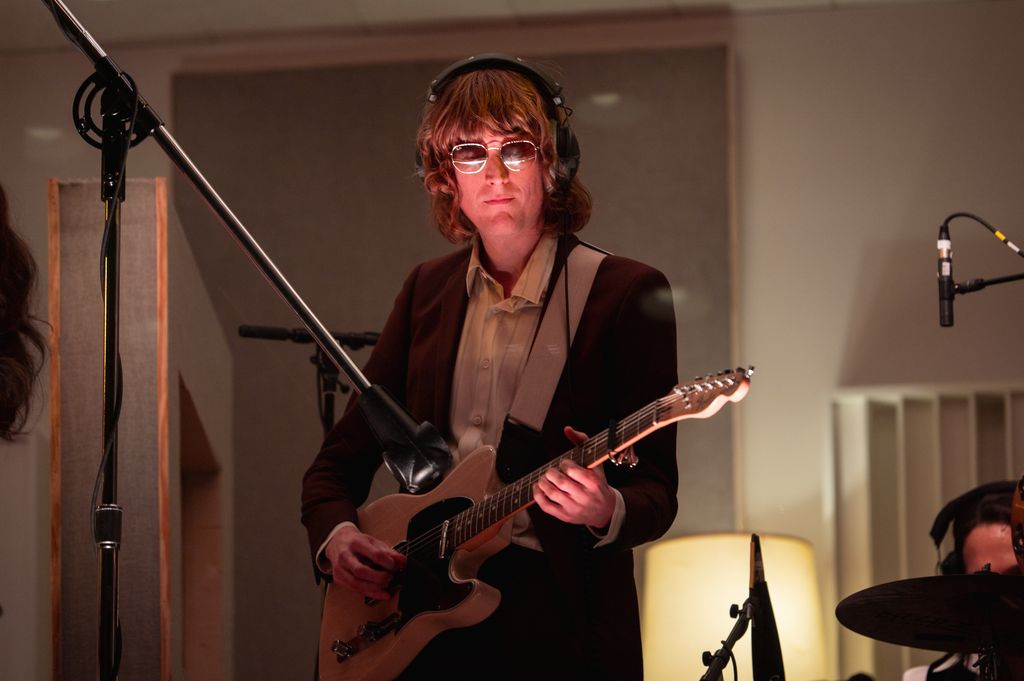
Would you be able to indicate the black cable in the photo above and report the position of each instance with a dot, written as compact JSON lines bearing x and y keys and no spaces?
{"x":565,"y":280}
{"x":999,"y":235}
{"x":972,"y":285}
{"x":321,"y":406}
{"x":114,"y":417}
{"x":60,"y":23}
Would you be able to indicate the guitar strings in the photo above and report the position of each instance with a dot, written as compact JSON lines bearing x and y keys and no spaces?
{"x":430,"y":539}
{"x":593,"y":445}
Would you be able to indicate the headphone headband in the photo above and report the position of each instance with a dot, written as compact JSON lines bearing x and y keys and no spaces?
{"x":950,"y":510}
{"x":493,"y":60}
{"x":567,"y":147}
{"x":952,"y":564}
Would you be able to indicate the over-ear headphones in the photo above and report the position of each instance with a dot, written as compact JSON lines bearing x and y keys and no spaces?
{"x":953,"y":563}
{"x":566,"y":145}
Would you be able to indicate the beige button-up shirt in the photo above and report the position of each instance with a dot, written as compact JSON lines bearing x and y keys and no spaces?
{"x":496,"y":338}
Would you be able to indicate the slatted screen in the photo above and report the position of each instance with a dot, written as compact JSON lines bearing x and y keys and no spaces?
{"x":900,"y":455}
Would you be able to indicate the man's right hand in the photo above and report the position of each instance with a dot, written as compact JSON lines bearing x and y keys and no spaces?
{"x":362,"y":563}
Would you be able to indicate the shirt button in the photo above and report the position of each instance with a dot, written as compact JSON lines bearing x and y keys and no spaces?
{"x":485,"y":363}
{"x":477,"y":420}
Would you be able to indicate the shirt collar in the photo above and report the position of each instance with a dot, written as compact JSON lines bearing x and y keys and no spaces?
{"x":532,"y":284}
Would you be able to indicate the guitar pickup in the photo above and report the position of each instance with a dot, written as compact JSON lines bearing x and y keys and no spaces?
{"x":373,"y":631}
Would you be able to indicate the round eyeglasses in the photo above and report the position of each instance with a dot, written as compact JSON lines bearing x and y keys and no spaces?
{"x":470,"y":158}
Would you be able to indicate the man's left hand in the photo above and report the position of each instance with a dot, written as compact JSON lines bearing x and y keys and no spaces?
{"x":574,"y":494}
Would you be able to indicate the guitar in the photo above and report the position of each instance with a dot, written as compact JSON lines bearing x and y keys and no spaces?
{"x":449,"y":532}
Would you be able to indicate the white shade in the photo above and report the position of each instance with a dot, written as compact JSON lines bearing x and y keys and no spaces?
{"x":689,"y":584}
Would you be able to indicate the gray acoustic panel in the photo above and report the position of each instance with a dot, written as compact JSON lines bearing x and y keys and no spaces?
{"x":76,"y":225}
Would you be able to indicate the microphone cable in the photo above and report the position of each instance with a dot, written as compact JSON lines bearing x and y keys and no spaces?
{"x":998,"y":234}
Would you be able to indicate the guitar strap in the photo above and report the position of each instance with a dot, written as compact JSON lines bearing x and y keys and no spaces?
{"x":544,"y":365}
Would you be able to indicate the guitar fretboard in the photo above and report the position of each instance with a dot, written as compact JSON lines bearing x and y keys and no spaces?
{"x":519,"y":494}
{"x":685,"y":400}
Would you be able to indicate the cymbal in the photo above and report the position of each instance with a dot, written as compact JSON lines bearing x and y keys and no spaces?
{"x":954,"y":613}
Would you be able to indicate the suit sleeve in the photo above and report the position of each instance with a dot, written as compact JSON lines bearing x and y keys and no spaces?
{"x":339,"y":479}
{"x":642,"y":369}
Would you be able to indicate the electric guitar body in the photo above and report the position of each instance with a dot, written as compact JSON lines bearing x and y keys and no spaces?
{"x":437,"y":592}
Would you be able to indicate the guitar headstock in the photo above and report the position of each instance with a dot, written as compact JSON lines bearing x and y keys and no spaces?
{"x":703,"y":397}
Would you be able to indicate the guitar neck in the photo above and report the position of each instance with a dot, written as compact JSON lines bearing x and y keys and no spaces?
{"x":699,"y":399}
{"x":518,"y":495}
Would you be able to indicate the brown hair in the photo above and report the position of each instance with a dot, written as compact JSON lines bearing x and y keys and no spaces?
{"x":505,"y":102}
{"x":21,"y":343}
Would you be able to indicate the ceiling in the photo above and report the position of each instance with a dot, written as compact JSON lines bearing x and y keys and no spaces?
{"x":26,"y":25}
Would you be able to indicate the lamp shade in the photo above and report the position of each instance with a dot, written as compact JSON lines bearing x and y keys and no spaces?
{"x":689,"y":584}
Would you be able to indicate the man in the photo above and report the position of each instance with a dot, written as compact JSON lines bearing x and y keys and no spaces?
{"x":498,"y":160}
{"x":981,"y":542}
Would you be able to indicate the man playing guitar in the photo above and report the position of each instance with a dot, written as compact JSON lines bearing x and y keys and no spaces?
{"x":498,"y":160}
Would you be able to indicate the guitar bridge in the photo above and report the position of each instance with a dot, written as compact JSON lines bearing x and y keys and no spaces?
{"x":368,"y":633}
{"x":343,"y":650}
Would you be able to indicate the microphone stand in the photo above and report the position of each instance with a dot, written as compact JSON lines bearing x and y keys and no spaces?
{"x":415,"y":454}
{"x":113,"y":137}
{"x":716,"y":663}
{"x":108,"y":515}
{"x":327,"y":382}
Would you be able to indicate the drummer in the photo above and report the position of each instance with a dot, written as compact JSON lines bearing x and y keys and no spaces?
{"x":981,"y":541}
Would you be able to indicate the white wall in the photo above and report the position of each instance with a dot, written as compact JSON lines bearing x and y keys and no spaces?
{"x":859,"y":130}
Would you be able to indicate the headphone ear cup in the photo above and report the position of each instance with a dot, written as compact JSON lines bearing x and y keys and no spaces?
{"x":420,"y":172}
{"x":952,"y":564}
{"x":568,"y":149}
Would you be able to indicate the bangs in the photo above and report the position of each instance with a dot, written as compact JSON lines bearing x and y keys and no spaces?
{"x":489,"y":102}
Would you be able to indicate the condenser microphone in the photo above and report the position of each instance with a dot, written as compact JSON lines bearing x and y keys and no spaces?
{"x":765,"y":649}
{"x":946,"y":288}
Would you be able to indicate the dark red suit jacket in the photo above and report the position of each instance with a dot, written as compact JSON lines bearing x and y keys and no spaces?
{"x":623,"y":356}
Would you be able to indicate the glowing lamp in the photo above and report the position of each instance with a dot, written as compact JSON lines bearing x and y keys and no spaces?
{"x":689,"y":584}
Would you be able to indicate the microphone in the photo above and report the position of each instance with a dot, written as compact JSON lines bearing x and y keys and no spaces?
{"x":766,"y":652}
{"x":946,"y":288}
{"x":351,"y":340}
